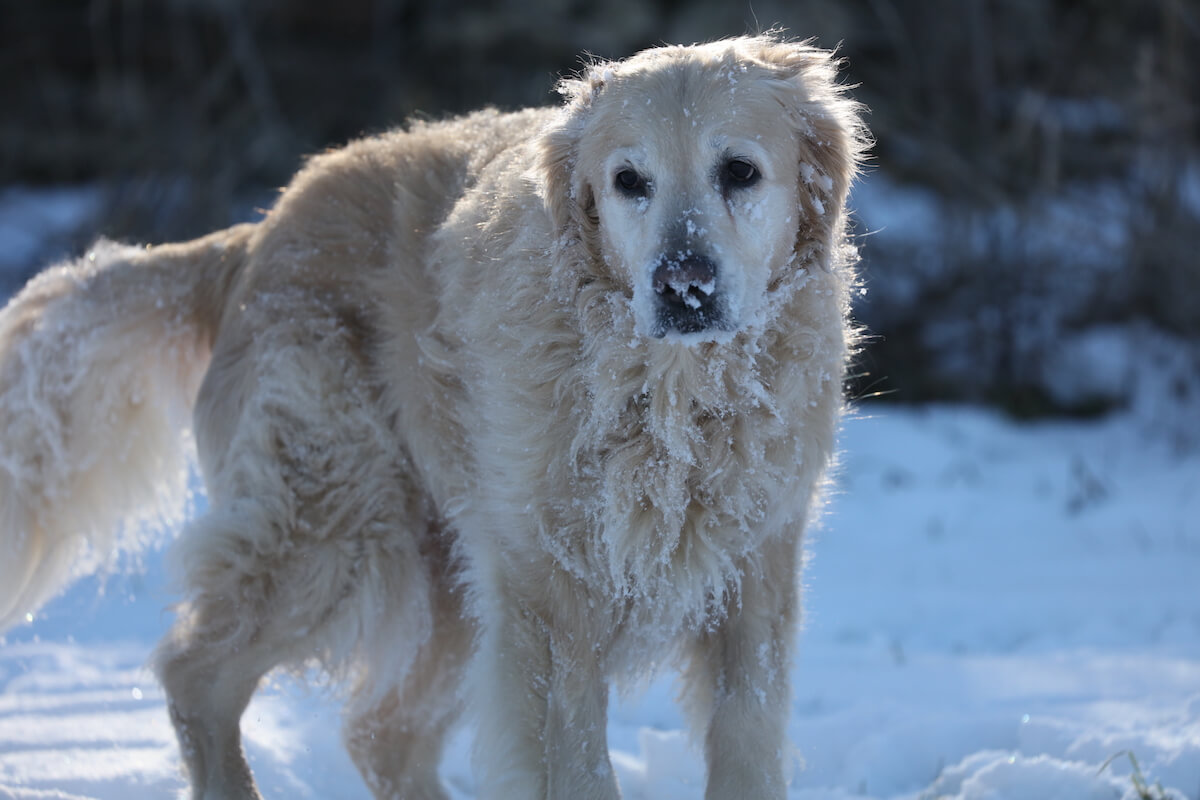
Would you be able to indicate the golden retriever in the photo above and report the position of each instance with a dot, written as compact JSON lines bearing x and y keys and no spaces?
{"x":490,"y":412}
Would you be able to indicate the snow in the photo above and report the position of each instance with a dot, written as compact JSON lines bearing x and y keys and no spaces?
{"x":992,"y":611}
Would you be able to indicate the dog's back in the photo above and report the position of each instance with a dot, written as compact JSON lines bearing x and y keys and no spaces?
{"x":101,"y":357}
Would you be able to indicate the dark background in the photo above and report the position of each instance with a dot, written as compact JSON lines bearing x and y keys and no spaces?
{"x":999,"y":119}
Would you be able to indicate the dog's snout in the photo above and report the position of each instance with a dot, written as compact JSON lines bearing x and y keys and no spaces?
{"x":686,"y":281}
{"x":687,"y":288}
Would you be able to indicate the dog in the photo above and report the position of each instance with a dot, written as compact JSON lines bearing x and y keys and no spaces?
{"x":490,"y":411}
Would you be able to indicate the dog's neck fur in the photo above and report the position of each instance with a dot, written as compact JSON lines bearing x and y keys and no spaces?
{"x":690,"y":461}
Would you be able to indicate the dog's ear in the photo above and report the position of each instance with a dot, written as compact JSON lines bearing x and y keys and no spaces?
{"x":559,"y":148}
{"x":568,"y":197}
{"x":833,"y":139}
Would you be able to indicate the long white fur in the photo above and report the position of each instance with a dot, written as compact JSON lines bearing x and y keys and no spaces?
{"x":443,"y":442}
{"x":94,"y":395}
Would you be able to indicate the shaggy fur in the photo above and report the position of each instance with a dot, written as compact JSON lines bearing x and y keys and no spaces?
{"x":511,"y":401}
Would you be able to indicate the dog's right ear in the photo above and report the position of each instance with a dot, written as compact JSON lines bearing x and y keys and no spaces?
{"x":558,"y":157}
{"x":568,"y":197}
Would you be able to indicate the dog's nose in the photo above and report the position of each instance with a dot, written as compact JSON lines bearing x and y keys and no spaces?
{"x":685,"y":281}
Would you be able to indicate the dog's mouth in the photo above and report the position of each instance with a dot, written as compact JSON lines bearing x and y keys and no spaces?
{"x":687,"y":295}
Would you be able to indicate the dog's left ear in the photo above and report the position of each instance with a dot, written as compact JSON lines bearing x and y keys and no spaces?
{"x":832,"y":136}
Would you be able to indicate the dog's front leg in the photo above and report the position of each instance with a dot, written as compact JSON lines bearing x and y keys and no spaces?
{"x":543,"y":710}
{"x":737,"y":681}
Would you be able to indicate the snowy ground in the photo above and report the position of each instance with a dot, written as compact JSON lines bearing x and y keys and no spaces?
{"x":993,"y":611}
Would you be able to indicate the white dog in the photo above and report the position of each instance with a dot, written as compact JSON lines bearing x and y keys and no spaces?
{"x":526,"y":402}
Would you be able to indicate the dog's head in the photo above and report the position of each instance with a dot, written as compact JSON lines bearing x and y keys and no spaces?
{"x":690,"y":175}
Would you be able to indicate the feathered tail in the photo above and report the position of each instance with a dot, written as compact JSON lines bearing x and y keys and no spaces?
{"x":100,"y":360}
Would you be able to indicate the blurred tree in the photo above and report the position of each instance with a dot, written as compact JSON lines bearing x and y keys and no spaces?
{"x":190,"y":111}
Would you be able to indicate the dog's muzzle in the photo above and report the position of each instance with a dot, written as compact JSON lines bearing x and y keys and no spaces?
{"x":686,"y":288}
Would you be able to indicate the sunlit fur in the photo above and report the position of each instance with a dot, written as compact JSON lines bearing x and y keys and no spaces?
{"x":450,"y":450}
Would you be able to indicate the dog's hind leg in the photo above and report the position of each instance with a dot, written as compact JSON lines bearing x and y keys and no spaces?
{"x":210,"y":671}
{"x":395,"y":735}
{"x":244,"y":615}
{"x":312,"y":547}
{"x":264,"y":594}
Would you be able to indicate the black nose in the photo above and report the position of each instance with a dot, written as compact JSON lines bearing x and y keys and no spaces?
{"x":686,"y":281}
{"x":688,"y":296}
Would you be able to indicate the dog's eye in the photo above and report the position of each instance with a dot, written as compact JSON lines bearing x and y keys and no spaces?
{"x":741,"y":172}
{"x":630,"y":182}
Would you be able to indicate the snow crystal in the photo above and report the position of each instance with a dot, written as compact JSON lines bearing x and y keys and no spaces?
{"x":682,"y":289}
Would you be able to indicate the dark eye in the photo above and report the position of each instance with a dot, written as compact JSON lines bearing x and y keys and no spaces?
{"x":630,"y":182}
{"x":741,"y":172}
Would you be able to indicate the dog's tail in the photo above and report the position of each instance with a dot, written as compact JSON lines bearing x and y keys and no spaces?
{"x":100,"y":361}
